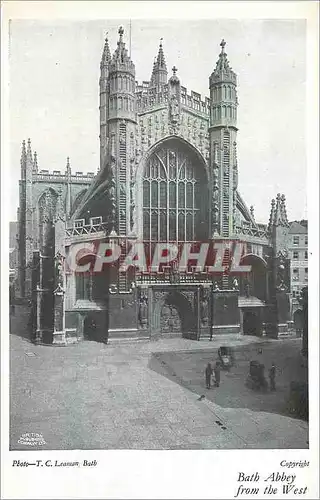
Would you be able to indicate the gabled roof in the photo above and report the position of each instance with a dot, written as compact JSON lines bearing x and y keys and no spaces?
{"x":298,"y":228}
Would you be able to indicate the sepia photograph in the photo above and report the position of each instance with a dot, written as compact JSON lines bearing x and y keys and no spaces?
{"x":158,"y":215}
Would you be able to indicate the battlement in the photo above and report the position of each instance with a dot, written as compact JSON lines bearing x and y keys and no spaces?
{"x":194,"y":101}
{"x":148,"y":97}
{"x":58,"y":176}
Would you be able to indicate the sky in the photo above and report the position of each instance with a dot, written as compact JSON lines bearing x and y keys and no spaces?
{"x":54,"y":94}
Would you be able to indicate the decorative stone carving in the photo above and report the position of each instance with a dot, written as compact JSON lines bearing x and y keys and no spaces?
{"x":204,"y":306}
{"x":59,"y":290}
{"x":159,"y":295}
{"x":59,"y":261}
{"x":190,"y":297}
{"x":143,"y":309}
{"x":174,"y":109}
{"x":113,"y":289}
{"x":169,"y":319}
{"x":281,"y":270}
{"x":235,"y":284}
{"x":113,"y":148}
{"x":113,"y":208}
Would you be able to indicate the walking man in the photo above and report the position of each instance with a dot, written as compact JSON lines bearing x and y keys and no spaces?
{"x":217,"y":371}
{"x":208,"y":375}
{"x":272,"y":377}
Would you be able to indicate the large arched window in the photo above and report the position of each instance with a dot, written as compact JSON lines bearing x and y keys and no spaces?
{"x":175,"y":195}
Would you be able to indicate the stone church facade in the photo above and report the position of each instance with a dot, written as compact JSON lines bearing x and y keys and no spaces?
{"x":168,"y":173}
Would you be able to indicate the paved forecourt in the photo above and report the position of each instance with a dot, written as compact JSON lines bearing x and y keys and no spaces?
{"x":95,"y":396}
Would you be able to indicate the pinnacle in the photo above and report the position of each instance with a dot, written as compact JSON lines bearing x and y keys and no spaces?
{"x":29,"y":151}
{"x":23,"y":151}
{"x":223,"y":69}
{"x":121,"y":53}
{"x":161,"y":62}
{"x":68,"y":168}
{"x":35,"y":162}
{"x":106,"y":55}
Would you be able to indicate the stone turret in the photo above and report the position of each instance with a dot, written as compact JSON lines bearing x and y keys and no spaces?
{"x":280,"y":267}
{"x":223,"y":146}
{"x":279,"y":224}
{"x":159,"y":75}
{"x":25,"y":223}
{"x":223,"y":92}
{"x":121,"y":84}
{"x":122,"y":122}
{"x":35,"y":163}
{"x":104,"y":100}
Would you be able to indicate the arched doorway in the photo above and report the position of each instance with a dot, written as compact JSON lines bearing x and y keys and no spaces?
{"x":174,"y":316}
{"x":252,"y":323}
{"x":254,"y":284}
{"x":90,"y":328}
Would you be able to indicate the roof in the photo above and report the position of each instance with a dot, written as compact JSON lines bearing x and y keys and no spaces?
{"x":298,"y":227}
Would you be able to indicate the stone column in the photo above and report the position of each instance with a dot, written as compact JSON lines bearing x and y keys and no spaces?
{"x":279,"y":310}
{"x":59,"y":329}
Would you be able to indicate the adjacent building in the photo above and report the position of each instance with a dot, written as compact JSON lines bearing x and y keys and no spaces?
{"x":298,"y":253}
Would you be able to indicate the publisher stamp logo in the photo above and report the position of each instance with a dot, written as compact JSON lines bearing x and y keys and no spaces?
{"x":31,"y":439}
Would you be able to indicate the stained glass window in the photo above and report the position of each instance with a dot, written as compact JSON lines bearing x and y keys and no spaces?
{"x":175,"y":195}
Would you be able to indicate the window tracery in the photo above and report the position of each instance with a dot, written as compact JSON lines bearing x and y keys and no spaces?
{"x":174,"y":196}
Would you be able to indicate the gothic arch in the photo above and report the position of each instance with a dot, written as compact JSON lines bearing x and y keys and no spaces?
{"x":199,"y":165}
{"x":183,"y":321}
{"x":77,"y":200}
{"x":47,"y":203}
{"x":52,"y":191}
{"x":256,"y":282}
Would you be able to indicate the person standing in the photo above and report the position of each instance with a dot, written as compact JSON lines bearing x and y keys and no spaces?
{"x":208,"y":375}
{"x":217,"y":371}
{"x":272,"y":377}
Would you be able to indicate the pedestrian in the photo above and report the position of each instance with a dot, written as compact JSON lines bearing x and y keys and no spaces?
{"x":272,"y":377}
{"x":208,"y":375}
{"x":217,"y":371}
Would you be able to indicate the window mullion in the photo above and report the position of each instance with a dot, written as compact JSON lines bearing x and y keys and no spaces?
{"x":158,"y":210}
{"x":193,"y":211}
{"x":177,"y":195}
{"x":150,"y":205}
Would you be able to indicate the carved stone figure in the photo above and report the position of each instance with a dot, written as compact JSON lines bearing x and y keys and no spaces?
{"x":59,"y":259}
{"x":204,"y":307}
{"x":174,"y":109}
{"x":281,"y":270}
{"x":235,"y":284}
{"x":143,"y":310}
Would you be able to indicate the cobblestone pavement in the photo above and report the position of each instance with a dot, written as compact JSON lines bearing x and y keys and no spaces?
{"x":96,"y":396}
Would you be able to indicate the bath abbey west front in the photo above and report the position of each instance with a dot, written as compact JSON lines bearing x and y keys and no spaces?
{"x":168,"y":173}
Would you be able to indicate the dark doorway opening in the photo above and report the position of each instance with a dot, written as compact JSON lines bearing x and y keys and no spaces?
{"x":176,"y":316}
{"x":252,"y":323}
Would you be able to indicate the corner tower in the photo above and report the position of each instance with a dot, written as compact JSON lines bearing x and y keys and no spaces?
{"x":25,"y":223}
{"x":223,"y":136}
{"x":121,"y":126}
{"x":104,"y":100}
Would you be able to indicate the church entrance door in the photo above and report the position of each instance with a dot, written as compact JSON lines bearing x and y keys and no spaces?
{"x":170,"y":322}
{"x":252,"y":323}
{"x":172,"y":312}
